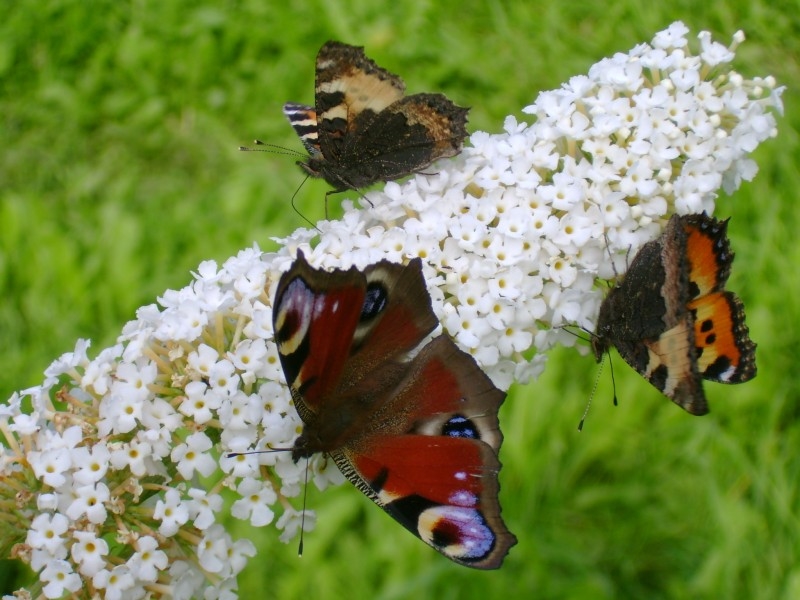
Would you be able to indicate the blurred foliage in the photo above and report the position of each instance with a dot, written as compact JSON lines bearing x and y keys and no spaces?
{"x":120,"y":174}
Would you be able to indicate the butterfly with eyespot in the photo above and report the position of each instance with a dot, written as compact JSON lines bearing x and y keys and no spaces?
{"x":420,"y":437}
{"x":671,"y":319}
{"x":362,"y":128}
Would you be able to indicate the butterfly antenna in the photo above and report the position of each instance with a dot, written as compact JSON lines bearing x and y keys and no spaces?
{"x":294,"y":207}
{"x":613,"y":381}
{"x":275,"y":149}
{"x":597,"y":378}
{"x":608,"y":350}
{"x":272,"y":149}
{"x":270,"y":451}
{"x":611,"y":257}
{"x":326,"y":201}
{"x":363,"y":197}
{"x":591,"y":396}
{"x":303,"y":514}
{"x":577,"y":335}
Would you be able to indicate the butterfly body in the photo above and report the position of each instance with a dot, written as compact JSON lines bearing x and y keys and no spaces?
{"x":418,"y":436}
{"x":363,"y":129}
{"x":671,"y":319}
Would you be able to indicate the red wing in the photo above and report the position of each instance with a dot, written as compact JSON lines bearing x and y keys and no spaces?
{"x":420,"y":438}
{"x":315,"y":316}
{"x":445,"y":383}
{"x":334,"y":328}
{"x":442,"y":469}
{"x":430,"y":457}
{"x":442,"y":489}
{"x":396,"y":318}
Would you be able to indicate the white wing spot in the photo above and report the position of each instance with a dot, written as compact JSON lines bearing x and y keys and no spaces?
{"x":463,"y":498}
{"x":727,"y":374}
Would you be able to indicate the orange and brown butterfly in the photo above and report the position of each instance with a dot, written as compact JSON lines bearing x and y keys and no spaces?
{"x":419,"y":437}
{"x":363,"y":130}
{"x":671,"y":319}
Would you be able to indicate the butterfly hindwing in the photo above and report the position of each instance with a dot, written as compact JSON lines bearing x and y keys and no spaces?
{"x":726,"y":352}
{"x":672,"y":367}
{"x":406,"y":133}
{"x":363,"y":130}
{"x":420,"y":437}
{"x":434,"y":467}
{"x":670,"y":318}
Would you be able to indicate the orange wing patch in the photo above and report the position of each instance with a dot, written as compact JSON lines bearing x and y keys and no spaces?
{"x":725,"y":352}
{"x":362,"y":129}
{"x":709,"y":254}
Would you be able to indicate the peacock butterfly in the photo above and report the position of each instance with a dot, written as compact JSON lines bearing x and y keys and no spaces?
{"x":363,"y":130}
{"x":420,"y":437}
{"x":671,"y":319}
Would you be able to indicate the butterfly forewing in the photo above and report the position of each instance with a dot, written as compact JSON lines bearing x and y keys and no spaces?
{"x":393,"y":322}
{"x":350,"y":86}
{"x":709,"y":254}
{"x":305,"y":304}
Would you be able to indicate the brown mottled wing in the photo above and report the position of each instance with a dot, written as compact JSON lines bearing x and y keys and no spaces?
{"x":362,"y":130}
{"x":406,"y":137}
{"x":349,"y":85}
{"x":645,"y":317}
{"x":333,"y":327}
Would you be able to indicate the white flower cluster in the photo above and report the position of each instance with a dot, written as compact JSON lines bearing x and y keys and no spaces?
{"x":122,"y":455}
{"x":115,"y":466}
{"x":518,"y":229}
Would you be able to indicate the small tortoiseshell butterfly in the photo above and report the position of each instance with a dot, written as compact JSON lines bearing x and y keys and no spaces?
{"x":363,"y":130}
{"x":418,"y":437}
{"x":671,"y":319}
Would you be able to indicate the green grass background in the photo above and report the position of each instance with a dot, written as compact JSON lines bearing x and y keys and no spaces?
{"x":119,"y":173}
